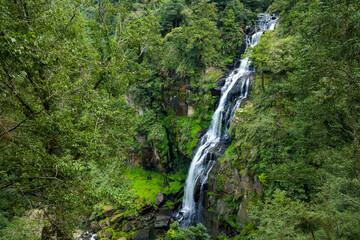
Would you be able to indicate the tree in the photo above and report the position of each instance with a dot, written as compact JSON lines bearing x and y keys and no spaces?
{"x":53,"y":122}
{"x":178,"y":233}
{"x":170,"y":14}
{"x":281,"y":218}
{"x":340,"y":65}
{"x":195,"y":45}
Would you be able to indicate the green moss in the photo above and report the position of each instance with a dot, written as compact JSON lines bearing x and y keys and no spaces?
{"x":116,"y":216}
{"x":145,"y":183}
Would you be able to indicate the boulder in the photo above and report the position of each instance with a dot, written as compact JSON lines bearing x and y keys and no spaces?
{"x":143,"y":234}
{"x":108,"y":210}
{"x":107,"y":235}
{"x":191,"y":111}
{"x":95,"y":227}
{"x":159,"y":198}
{"x":162,"y":221}
{"x":200,"y":133}
{"x":117,"y":218}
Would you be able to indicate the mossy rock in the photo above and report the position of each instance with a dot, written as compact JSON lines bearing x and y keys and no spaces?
{"x":107,"y":211}
{"x":117,"y":218}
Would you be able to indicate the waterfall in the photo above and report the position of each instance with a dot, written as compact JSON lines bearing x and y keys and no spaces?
{"x":213,"y":144}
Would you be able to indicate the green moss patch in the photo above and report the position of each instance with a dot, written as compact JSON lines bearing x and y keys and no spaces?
{"x":145,"y":183}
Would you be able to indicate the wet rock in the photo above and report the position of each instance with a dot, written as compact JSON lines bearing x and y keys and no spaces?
{"x":218,"y":150}
{"x":201,"y":133}
{"x":211,"y":156}
{"x":197,"y":190}
{"x":147,"y":217}
{"x":159,"y":198}
{"x":143,"y":234}
{"x":239,"y":87}
{"x":162,"y":221}
{"x":216,"y":91}
{"x":250,"y":30}
{"x":242,"y":48}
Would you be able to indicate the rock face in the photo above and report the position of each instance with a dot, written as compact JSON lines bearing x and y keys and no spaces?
{"x":136,"y":226}
{"x":179,"y":107}
{"x":197,"y":191}
{"x":162,"y":221}
{"x":226,"y":185}
{"x":143,"y":234}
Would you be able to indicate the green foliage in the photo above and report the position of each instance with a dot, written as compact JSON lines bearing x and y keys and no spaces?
{"x":193,"y":46}
{"x":280,"y":217}
{"x":58,"y":122}
{"x":28,"y":226}
{"x":178,"y":233}
{"x":171,"y":14}
{"x":189,"y":127}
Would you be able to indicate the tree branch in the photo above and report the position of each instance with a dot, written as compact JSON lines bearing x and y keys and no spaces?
{"x":11,"y":129}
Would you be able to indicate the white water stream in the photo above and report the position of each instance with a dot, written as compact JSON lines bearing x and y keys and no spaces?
{"x":212,"y":143}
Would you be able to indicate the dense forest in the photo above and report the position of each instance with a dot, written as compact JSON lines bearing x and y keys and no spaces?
{"x":103,"y":103}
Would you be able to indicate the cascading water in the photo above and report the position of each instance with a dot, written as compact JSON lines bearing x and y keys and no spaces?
{"x":216,"y":139}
